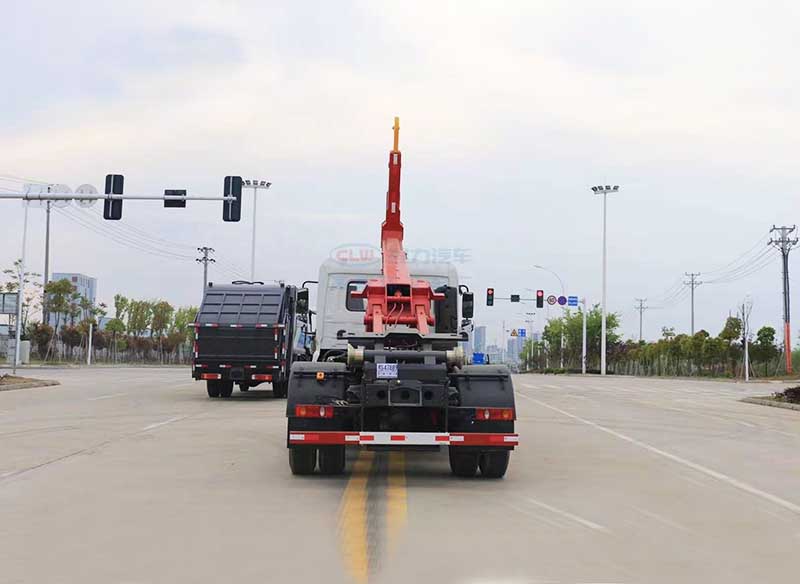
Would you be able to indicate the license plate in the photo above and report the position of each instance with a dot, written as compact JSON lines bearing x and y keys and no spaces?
{"x":387,"y":370}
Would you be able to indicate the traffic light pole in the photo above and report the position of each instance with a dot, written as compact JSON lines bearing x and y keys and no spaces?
{"x":20,"y":292}
{"x":231,"y":199}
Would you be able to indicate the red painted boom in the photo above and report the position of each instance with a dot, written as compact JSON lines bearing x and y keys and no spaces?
{"x":396,"y":299}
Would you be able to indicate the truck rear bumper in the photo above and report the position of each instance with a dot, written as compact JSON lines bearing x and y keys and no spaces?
{"x":403,"y":439}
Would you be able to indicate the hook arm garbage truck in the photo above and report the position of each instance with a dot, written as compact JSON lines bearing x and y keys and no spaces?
{"x":397,"y":380}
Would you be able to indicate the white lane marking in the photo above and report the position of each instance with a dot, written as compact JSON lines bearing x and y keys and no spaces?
{"x":164,"y":423}
{"x":567,"y":514}
{"x":660,"y":518}
{"x":747,"y":488}
{"x":536,"y":516}
{"x":109,"y":396}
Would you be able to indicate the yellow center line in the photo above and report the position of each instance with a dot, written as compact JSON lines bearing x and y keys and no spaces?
{"x":396,"y":504}
{"x":353,"y":519}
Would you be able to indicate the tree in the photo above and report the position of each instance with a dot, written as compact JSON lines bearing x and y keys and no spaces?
{"x":140,"y":315}
{"x":160,"y":323}
{"x":571,"y":323}
{"x":57,"y":300}
{"x":32,"y":299}
{"x":116,"y":327}
{"x":120,"y":306}
{"x":41,"y":335}
{"x":764,"y":349}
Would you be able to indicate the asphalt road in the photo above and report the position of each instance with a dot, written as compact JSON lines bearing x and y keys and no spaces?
{"x":135,"y":476}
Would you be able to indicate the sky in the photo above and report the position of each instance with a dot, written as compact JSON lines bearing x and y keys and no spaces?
{"x":509,"y":113}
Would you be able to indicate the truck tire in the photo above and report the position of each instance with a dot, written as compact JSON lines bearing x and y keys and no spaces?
{"x":225,"y":388}
{"x":494,"y":464}
{"x":463,"y":464}
{"x":212,"y":387}
{"x":331,"y":460}
{"x":302,"y":460}
{"x":279,"y":388}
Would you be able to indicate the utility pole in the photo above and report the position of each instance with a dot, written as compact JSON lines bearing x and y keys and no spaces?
{"x":784,"y":244}
{"x":205,"y":260}
{"x":641,"y":308}
{"x":747,"y":307}
{"x":692,"y":283}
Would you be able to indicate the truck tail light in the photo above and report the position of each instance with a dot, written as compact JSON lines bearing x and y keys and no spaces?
{"x":313,"y":411}
{"x":211,"y":376}
{"x":261,"y":377}
{"x":494,"y":414}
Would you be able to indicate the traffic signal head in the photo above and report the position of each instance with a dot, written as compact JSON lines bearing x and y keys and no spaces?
{"x":232,"y":210}
{"x":173,"y":201}
{"x":540,"y":299}
{"x":112,"y":208}
{"x":490,"y":297}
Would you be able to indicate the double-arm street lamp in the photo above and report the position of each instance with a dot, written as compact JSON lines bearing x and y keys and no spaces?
{"x":604,"y":190}
{"x":256,"y":185}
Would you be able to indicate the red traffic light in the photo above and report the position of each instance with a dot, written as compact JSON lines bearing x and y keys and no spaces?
{"x":490,"y":297}
{"x":540,"y":299}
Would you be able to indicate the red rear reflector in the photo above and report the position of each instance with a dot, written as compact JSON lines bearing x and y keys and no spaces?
{"x":398,"y":438}
{"x":313,"y":411}
{"x":211,"y":376}
{"x":502,"y":414}
{"x":261,"y":377}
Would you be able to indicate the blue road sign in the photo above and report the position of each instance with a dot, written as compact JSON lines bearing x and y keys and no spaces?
{"x":562,"y":300}
{"x":572,"y":301}
{"x":478,"y":358}
{"x":522,"y":332}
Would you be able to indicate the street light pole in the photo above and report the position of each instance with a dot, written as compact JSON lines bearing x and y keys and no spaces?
{"x":604,"y":190}
{"x":255,"y":185}
{"x":583,"y":341}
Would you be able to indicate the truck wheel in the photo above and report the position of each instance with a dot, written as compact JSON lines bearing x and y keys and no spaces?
{"x":302,"y":460}
{"x":243,"y":387}
{"x":331,"y":460}
{"x":494,"y":464}
{"x":212,"y":387}
{"x":463,"y":464}
{"x":279,"y":388}
{"x":225,"y":388}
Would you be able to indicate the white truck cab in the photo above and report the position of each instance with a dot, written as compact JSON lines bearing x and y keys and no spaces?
{"x":337,"y":309}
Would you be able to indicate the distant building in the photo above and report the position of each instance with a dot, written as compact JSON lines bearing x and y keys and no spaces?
{"x":85,"y":285}
{"x":514,"y":347}
{"x":494,"y":354}
{"x":479,"y":342}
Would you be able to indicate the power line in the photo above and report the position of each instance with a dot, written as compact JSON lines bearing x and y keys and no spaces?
{"x":121,"y":238}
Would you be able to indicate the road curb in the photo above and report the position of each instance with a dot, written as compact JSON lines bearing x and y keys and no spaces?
{"x":29,"y":385}
{"x":761,"y":401}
